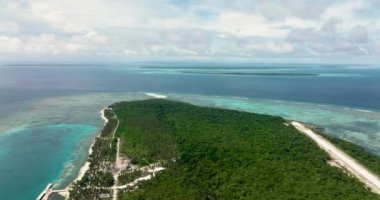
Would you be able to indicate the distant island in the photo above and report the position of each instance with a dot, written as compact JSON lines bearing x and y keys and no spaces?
{"x":53,"y":65}
{"x":161,"y":149}
{"x":253,"y":73}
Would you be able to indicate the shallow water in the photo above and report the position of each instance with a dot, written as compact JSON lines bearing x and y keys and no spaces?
{"x":34,"y":156}
{"x":49,"y":142}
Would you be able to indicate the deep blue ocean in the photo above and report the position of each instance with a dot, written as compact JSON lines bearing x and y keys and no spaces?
{"x":49,"y":113}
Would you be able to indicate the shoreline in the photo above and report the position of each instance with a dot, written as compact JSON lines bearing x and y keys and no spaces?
{"x":97,"y":157}
{"x":86,"y":166}
{"x":82,"y":171}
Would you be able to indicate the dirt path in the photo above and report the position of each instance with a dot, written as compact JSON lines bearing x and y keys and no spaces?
{"x":345,"y":161}
{"x":117,"y":162}
{"x":116,"y":175}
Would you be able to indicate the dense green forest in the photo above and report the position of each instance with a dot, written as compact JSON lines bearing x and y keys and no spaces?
{"x":214,"y":153}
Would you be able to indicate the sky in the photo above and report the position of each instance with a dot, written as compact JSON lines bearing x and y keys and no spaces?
{"x":122,"y":30}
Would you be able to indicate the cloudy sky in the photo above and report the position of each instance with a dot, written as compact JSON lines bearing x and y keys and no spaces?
{"x":290,"y":30}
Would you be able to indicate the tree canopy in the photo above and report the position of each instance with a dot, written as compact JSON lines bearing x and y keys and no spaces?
{"x":214,"y":153}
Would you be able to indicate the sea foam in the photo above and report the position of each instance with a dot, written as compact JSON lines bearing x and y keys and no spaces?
{"x":155,"y":95}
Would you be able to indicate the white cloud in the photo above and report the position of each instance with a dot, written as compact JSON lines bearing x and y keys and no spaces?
{"x":50,"y":44}
{"x":330,"y":40}
{"x":344,"y":10}
{"x":348,"y":13}
{"x":271,"y":47}
{"x":358,"y":34}
{"x":245,"y":25}
{"x":10,"y":44}
{"x":210,"y":28}
{"x":9,"y":27}
{"x":297,"y":22}
{"x":74,"y":48}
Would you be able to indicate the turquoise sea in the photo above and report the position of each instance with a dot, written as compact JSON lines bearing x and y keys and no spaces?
{"x":49,"y":113}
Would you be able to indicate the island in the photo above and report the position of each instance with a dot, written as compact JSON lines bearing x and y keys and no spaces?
{"x":162,"y":149}
{"x":252,"y":73}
